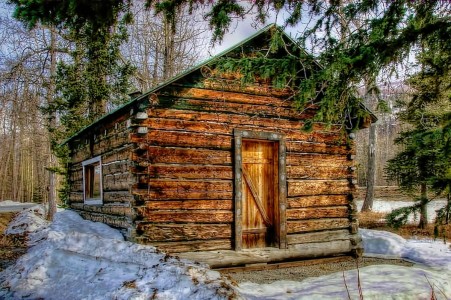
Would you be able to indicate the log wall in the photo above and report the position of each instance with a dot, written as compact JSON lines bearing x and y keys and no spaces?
{"x":110,"y":141}
{"x":183,"y":163}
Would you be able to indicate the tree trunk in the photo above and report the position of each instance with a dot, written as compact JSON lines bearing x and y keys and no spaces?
{"x":423,"y":207}
{"x":51,"y":124}
{"x":168,"y":49}
{"x":371,"y":173}
{"x":448,"y":209}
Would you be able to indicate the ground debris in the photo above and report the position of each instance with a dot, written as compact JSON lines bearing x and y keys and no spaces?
{"x":314,"y":270}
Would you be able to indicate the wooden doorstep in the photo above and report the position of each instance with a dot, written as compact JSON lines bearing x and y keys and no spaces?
{"x":282,"y":265}
{"x":219,"y":259}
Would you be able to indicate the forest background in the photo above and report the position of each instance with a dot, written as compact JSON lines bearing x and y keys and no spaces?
{"x":148,"y":48}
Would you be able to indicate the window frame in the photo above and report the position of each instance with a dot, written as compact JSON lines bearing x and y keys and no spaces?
{"x":88,"y":164}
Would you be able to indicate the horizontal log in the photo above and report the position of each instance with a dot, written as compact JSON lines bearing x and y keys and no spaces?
{"x":318,"y":187}
{"x":190,"y":204}
{"x":108,"y":197}
{"x":184,"y":232}
{"x":221,"y":95}
{"x":190,"y":185}
{"x":234,"y":84}
{"x":75,"y":172}
{"x":317,"y":160}
{"x":188,"y":125}
{"x":111,"y":142}
{"x":227,"y":129}
{"x":105,"y":209}
{"x":76,"y":186}
{"x":75,"y":197}
{"x":328,"y":138}
{"x":117,"y":196}
{"x":185,"y":216}
{"x":224,"y":142}
{"x":113,"y":136}
{"x":285,"y":125}
{"x":190,"y":171}
{"x":233,"y":108}
{"x":318,"y":172}
{"x":327,"y":248}
{"x":170,"y":155}
{"x":319,"y":237}
{"x":317,"y":201}
{"x":309,"y":147}
{"x":185,"y":139}
{"x":118,"y":182}
{"x":145,"y":195}
{"x":202,"y":245}
{"x":317,"y":225}
{"x":122,"y":166}
{"x":80,"y":154}
{"x":297,"y":255}
{"x":114,"y":221}
{"x":317,"y":213}
{"x":118,"y":154}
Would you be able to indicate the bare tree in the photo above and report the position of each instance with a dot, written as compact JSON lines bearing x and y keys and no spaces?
{"x":157,"y":51}
{"x":27,"y":58}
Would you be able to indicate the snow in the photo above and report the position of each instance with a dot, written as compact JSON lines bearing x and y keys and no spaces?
{"x":77,"y":259}
{"x":72,"y":258}
{"x":9,"y":203}
{"x":30,"y":220}
{"x":384,"y":206}
{"x":14,"y":203}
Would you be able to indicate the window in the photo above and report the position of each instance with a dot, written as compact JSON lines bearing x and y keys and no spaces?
{"x":92,"y":181}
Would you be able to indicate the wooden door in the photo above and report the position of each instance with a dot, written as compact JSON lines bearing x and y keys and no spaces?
{"x":260,"y":193}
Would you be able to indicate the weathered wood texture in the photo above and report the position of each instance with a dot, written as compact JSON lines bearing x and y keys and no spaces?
{"x":322,"y":236}
{"x":183,"y":166}
{"x":260,"y":214}
{"x":176,"y":175}
{"x":317,"y":225}
{"x":184,"y":232}
{"x":317,"y":213}
{"x":295,"y":254}
{"x":111,"y":220}
{"x":182,"y":246}
{"x":111,"y":142}
{"x":315,"y":201}
{"x":109,"y":136}
{"x":116,"y":210}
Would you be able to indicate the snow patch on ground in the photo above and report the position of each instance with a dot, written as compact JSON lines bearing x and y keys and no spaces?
{"x":381,"y":242}
{"x":384,"y":206}
{"x":9,"y":203}
{"x":28,"y":221}
{"x":77,"y":259}
{"x":377,"y":282}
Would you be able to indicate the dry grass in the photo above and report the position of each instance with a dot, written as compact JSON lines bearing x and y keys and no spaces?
{"x":5,"y":218}
{"x":372,"y":220}
{"x":11,"y":247}
{"x":375,"y":220}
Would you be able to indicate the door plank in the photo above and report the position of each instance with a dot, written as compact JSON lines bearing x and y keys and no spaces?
{"x":257,"y":199}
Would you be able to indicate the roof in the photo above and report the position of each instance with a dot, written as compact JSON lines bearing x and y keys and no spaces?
{"x":143,"y":96}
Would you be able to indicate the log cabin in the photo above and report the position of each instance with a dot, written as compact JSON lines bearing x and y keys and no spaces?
{"x":206,"y":165}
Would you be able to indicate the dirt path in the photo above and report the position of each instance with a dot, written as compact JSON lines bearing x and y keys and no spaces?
{"x":300,"y":273}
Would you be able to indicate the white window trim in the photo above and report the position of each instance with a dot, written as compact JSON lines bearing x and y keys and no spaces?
{"x":92,"y":201}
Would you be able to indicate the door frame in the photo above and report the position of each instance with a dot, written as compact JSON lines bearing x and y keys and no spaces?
{"x":239,"y":135}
